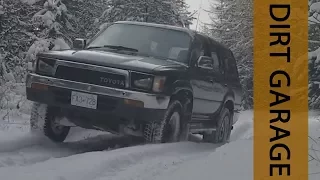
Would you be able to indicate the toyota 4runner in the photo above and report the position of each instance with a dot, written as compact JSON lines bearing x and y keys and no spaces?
{"x":148,"y":80}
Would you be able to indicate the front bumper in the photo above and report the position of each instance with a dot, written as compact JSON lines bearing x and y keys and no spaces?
{"x":110,"y":100}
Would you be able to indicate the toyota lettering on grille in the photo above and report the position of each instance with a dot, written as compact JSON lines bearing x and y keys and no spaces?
{"x":112,"y":81}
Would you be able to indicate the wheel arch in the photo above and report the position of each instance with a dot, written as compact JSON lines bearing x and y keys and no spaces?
{"x":229,"y":104}
{"x":228,"y":101}
{"x":185,"y":96}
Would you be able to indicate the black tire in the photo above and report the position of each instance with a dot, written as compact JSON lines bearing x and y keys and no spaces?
{"x":56,"y":133}
{"x":159,"y":132}
{"x":223,"y":131}
{"x":42,"y":119}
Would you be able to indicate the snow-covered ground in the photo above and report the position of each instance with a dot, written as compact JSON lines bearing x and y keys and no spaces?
{"x":101,"y":156}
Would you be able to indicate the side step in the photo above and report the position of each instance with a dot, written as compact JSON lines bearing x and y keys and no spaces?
{"x":196,"y":131}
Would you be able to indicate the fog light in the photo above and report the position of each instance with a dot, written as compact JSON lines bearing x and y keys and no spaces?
{"x":39,"y":86}
{"x":133,"y":103}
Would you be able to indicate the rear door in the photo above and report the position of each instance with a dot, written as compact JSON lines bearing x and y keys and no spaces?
{"x":219,"y":86}
{"x":232,"y":77}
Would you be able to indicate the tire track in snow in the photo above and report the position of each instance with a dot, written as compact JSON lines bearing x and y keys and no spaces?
{"x":41,"y":149}
{"x":115,"y":164}
{"x":31,"y":149}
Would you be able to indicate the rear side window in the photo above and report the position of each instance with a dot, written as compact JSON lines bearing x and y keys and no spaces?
{"x":217,"y":64}
{"x":206,"y":63}
{"x":231,"y":65}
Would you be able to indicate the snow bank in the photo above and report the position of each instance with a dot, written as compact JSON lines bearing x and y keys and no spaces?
{"x":108,"y":165}
{"x":18,"y":140}
{"x":186,"y":160}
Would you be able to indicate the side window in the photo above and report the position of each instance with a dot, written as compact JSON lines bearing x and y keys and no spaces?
{"x":206,"y":63}
{"x":216,"y":62}
{"x":224,"y":60}
{"x":199,"y":48}
{"x":196,"y":50}
{"x":232,"y":66}
{"x":217,"y":65}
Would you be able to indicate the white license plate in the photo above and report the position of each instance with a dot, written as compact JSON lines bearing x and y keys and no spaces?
{"x":84,"y":100}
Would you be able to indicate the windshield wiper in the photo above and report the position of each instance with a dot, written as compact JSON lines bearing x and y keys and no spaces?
{"x":115,"y":47}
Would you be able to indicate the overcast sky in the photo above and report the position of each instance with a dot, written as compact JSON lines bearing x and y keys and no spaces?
{"x":204,"y":17}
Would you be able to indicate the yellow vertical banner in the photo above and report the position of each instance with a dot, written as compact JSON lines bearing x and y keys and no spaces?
{"x":280,"y":89}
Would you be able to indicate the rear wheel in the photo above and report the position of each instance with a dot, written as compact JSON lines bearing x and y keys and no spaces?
{"x":170,"y":129}
{"x":223,"y":131}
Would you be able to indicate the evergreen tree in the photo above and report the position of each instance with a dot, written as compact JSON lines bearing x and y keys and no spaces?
{"x":84,"y":13}
{"x":16,"y":35}
{"x":171,"y":12}
{"x":52,"y":27}
{"x":314,"y":54}
{"x":28,"y":27}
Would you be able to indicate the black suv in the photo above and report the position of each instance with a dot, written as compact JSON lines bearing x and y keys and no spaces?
{"x":140,"y":79}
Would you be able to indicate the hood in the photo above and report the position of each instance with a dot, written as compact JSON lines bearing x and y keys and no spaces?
{"x":116,"y":60}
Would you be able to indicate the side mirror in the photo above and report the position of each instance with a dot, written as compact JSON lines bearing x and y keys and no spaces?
{"x":205,"y":62}
{"x":79,"y":43}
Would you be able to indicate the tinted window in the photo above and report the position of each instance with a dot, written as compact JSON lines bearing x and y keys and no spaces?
{"x":199,"y":48}
{"x":215,"y":56}
{"x":232,"y":69}
{"x":150,"y":41}
{"x":216,"y":62}
{"x":206,"y":62}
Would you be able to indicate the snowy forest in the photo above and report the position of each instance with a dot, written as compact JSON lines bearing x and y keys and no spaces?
{"x":28,"y":27}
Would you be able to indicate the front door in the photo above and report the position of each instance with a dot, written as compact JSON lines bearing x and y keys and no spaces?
{"x":201,"y":80}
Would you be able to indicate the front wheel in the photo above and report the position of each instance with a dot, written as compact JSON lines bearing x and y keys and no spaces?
{"x":52,"y":129}
{"x":169,"y":129}
{"x":44,"y":118}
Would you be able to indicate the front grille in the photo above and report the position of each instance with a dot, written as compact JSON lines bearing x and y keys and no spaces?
{"x":91,"y":77}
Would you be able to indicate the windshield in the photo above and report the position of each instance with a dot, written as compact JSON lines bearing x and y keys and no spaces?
{"x":146,"y":40}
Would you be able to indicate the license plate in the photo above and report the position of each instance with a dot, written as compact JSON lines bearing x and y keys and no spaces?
{"x":84,"y":100}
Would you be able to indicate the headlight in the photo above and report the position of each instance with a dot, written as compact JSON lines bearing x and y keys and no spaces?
{"x":141,"y":81}
{"x":45,"y":66}
{"x":148,"y":82}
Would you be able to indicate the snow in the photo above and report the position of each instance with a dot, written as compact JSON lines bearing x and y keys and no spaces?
{"x":60,"y":44}
{"x":30,"y":2}
{"x":38,"y":46}
{"x":1,"y":10}
{"x":95,"y":155}
{"x":315,"y":7}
